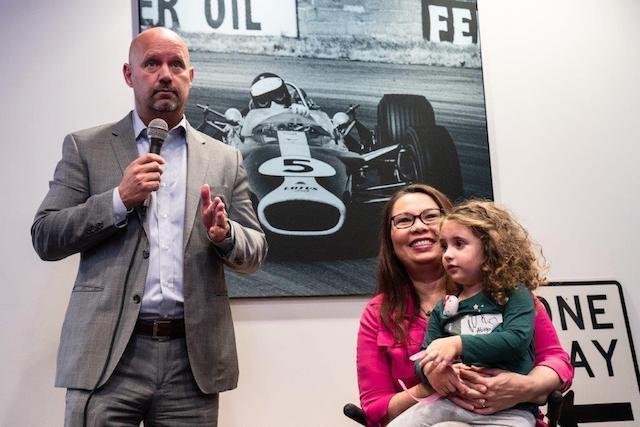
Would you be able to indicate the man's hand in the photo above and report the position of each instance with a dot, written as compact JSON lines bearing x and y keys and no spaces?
{"x":140,"y":178}
{"x":214,"y":215}
{"x":299,"y":109}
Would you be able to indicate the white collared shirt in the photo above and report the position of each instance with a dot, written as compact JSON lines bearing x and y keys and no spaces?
{"x":163,"y":295}
{"x":163,"y":292}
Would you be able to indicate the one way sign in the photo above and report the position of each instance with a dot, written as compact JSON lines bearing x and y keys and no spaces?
{"x":591,"y":320}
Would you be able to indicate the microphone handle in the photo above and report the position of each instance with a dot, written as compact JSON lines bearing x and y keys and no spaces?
{"x":155,"y":145}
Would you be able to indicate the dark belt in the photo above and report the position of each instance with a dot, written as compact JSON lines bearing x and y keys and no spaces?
{"x":160,"y":329}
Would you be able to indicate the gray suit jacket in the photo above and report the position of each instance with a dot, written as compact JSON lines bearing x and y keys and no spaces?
{"x":77,"y":216}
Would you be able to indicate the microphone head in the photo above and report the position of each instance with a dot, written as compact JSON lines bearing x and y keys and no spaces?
{"x":157,"y":129}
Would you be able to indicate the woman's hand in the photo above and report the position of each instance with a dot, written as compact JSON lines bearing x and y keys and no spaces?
{"x":503,"y":389}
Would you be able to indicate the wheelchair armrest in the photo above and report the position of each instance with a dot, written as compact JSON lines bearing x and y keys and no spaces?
{"x":554,"y":407}
{"x":355,"y":413}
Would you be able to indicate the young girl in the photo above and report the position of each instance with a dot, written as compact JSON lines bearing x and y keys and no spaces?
{"x":489,"y":257}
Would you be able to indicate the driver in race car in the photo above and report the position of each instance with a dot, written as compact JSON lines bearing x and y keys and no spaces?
{"x":269,"y":97}
{"x":268,"y":90}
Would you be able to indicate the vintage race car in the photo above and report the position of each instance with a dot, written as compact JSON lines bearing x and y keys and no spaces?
{"x":308,"y":171}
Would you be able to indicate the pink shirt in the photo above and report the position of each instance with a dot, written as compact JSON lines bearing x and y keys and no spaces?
{"x":381,"y":362}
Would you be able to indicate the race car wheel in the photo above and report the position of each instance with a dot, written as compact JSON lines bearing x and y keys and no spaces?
{"x":410,"y":165}
{"x":441,"y":166}
{"x":396,"y":113}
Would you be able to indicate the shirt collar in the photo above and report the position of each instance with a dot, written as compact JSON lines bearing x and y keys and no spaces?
{"x":139,"y":127}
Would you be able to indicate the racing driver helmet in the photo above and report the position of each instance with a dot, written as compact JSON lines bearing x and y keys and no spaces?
{"x":267,"y":88}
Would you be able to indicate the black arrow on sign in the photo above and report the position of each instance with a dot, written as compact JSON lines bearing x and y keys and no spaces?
{"x":597,"y":413}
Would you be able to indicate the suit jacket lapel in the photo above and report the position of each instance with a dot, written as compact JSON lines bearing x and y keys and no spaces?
{"x":197,"y":165}
{"x":123,"y":142}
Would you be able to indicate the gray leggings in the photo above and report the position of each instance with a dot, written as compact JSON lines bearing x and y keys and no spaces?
{"x":444,"y":413}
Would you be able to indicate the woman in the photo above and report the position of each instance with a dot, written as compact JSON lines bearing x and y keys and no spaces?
{"x":411,"y":281}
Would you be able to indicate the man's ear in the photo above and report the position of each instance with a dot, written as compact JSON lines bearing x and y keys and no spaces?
{"x":192,"y":74}
{"x":126,"y":72}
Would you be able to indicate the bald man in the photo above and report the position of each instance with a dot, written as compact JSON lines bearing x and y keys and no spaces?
{"x":148,"y":334}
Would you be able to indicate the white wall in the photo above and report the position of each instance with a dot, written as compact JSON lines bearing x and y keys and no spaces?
{"x":563,"y":105}
{"x":562,"y":99}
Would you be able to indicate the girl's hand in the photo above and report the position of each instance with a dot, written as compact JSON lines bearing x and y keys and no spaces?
{"x":442,"y":379}
{"x":442,"y":351}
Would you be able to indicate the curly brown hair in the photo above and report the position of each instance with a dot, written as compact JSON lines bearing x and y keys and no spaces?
{"x":510,"y":257}
{"x":393,"y":280}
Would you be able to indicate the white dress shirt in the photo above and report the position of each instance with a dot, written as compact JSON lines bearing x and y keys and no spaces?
{"x":163,"y":297}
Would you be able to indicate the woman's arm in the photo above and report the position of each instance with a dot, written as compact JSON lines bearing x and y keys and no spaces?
{"x":379,"y":396}
{"x":402,"y":401}
{"x":374,"y":370}
{"x":549,"y":351}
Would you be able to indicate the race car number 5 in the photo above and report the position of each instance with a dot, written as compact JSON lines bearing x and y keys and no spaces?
{"x":297,"y":165}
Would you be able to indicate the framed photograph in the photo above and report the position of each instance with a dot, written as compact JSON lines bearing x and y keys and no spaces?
{"x":334,"y":105}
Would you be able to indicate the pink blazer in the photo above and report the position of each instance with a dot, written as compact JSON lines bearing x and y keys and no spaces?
{"x":381,"y":362}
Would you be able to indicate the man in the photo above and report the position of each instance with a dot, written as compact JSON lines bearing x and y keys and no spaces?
{"x":268,"y":89}
{"x":148,"y":334}
{"x":269,"y":97}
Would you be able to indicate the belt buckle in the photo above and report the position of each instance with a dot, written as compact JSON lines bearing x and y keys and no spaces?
{"x":156,"y":326}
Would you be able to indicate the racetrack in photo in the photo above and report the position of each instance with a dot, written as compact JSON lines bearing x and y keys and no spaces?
{"x":456,"y":94}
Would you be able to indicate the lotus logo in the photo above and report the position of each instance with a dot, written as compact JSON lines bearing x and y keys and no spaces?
{"x":301,"y":187}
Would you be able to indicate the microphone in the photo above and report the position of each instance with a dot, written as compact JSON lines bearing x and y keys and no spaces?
{"x":157,"y":132}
